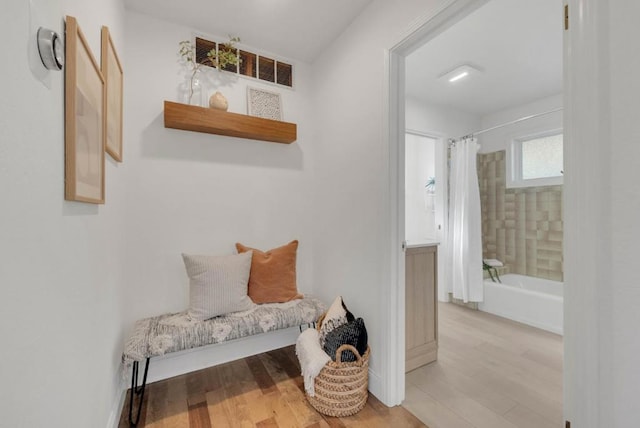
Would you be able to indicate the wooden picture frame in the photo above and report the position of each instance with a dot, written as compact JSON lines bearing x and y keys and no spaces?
{"x":84,"y":119}
{"x":113,"y":76}
{"x":264,"y":104}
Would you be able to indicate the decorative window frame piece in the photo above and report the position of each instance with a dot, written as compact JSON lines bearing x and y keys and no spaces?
{"x":264,"y":104}
{"x":284,"y":74}
{"x":203,"y":46}
{"x":249,"y":64}
{"x":258,"y":61}
{"x":84,"y":119}
{"x":113,"y":76}
{"x":231,"y":68}
{"x":266,"y":69}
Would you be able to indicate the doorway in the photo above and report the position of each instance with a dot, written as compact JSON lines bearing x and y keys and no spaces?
{"x":425,"y":186}
{"x":431,"y":32}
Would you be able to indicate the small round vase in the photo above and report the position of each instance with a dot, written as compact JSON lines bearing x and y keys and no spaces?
{"x":218,"y":101}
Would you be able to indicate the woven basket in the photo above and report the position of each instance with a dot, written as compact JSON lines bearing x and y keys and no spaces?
{"x":341,"y":389}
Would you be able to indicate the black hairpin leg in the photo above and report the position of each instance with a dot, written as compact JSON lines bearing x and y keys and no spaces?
{"x":137,"y":390}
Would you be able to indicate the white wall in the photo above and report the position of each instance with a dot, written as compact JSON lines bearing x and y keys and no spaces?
{"x":499,"y":139}
{"x":61,"y":272}
{"x":420,"y":222}
{"x":625,"y":208}
{"x":200,"y":193}
{"x":602,"y":202}
{"x":351,"y":186}
{"x":445,"y":122}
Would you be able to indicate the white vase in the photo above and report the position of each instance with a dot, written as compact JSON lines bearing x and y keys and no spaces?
{"x":218,"y":101}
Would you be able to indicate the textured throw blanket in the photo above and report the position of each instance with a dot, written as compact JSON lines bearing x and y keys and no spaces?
{"x":168,"y":333}
{"x":311,"y":356}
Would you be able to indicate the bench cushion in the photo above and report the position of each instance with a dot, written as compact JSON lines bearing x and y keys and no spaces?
{"x":168,"y":333}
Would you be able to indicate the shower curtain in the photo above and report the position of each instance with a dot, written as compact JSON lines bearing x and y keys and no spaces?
{"x":465,"y":229}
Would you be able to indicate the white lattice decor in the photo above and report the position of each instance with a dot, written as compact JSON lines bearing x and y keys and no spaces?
{"x":265,"y":104}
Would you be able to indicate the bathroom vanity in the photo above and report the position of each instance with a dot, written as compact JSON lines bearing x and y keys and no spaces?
{"x":421,"y":309}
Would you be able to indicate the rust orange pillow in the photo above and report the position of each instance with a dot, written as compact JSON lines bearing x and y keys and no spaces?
{"x":273,"y":274}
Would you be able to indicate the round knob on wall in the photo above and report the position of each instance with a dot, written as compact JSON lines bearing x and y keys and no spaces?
{"x":51,"y":49}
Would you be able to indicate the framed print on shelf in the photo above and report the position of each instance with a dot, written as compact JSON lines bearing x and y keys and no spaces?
{"x":264,"y":104}
{"x":113,"y":82}
{"x":84,"y":120}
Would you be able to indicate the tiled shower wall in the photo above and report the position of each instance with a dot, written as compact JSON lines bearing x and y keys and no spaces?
{"x":522,"y":227}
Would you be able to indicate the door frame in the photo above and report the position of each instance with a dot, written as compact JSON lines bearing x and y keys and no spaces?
{"x":586,"y":387}
{"x":424,"y":29}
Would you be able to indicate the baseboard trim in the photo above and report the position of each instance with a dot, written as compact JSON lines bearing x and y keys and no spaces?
{"x":376,"y":386}
{"x":117,"y":403}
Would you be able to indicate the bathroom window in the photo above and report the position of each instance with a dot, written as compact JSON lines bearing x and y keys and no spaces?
{"x":535,"y":160}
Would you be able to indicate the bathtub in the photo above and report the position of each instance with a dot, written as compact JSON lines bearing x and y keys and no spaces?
{"x":529,"y":300}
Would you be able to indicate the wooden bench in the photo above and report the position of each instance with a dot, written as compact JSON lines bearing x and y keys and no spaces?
{"x":164,"y":334}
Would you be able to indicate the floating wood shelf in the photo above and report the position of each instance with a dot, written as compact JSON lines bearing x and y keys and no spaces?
{"x":212,"y":121}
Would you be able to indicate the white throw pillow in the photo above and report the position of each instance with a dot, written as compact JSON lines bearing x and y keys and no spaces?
{"x":218,"y":284}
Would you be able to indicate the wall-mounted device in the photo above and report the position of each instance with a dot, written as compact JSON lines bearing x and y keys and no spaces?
{"x":51,"y":49}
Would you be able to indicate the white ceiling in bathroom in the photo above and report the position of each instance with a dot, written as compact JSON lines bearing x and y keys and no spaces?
{"x":517,"y":44}
{"x":295,"y":29}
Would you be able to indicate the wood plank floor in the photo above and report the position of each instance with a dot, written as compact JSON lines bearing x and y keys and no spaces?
{"x":491,"y":372}
{"x":264,"y":391}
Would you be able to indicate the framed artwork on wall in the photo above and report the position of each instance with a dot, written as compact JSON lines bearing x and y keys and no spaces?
{"x":84,"y":120}
{"x":113,"y":82}
{"x":264,"y":104}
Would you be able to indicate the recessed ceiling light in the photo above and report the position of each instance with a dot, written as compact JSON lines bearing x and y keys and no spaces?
{"x":462,"y":75}
{"x":459,"y":73}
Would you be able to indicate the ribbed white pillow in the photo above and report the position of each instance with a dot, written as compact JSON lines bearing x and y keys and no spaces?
{"x":217,"y":284}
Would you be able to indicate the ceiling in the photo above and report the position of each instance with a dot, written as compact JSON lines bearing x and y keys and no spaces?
{"x":295,"y":29}
{"x":517,"y":44}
